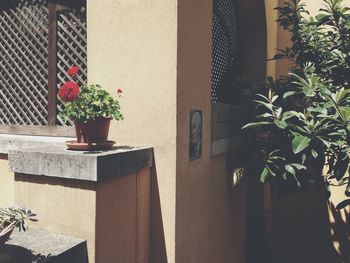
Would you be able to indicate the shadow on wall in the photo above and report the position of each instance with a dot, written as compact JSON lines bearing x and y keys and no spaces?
{"x":158,"y":249}
{"x":340,"y":231}
{"x":308,"y":229}
{"x":252,"y":66}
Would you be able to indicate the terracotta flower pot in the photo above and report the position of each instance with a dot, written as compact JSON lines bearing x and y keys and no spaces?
{"x":92,"y":131}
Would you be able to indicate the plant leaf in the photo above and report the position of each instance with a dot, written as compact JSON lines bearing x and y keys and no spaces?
{"x":256,"y":124}
{"x":264,"y":175}
{"x":299,"y":143}
{"x":289,"y":169}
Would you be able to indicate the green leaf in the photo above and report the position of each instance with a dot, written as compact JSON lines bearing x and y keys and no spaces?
{"x":298,"y":166}
{"x":298,"y":182}
{"x":303,"y":158}
{"x":341,"y":94}
{"x":266,"y":105}
{"x":280,"y":124}
{"x":314,"y":153}
{"x":343,"y":204}
{"x":288,"y":94}
{"x":325,"y":142}
{"x":264,"y":175}
{"x":279,"y":56}
{"x":256,"y":124}
{"x":290,"y":114}
{"x":284,"y":176}
{"x":299,"y":143}
{"x":263,"y":97}
{"x":274,"y":98}
{"x":289,"y":169}
{"x":345,"y":113}
{"x":265,"y":115}
{"x":277,"y":158}
{"x":270,"y":171}
{"x":278,"y":112}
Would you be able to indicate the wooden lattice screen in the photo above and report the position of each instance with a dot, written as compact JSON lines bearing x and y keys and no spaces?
{"x":39,"y":41}
{"x":24,"y":65}
{"x":71,"y":46}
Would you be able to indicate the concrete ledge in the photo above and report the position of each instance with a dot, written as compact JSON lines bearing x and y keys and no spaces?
{"x":57,"y":161}
{"x":12,"y":142}
{"x":43,"y":246}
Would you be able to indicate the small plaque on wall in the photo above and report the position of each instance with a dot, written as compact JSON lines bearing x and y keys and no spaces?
{"x":195,"y":134}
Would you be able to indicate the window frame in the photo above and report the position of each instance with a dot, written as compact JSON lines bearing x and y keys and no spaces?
{"x":225,"y":115}
{"x":51,"y":129}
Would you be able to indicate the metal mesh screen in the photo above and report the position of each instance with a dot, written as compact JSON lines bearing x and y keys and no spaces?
{"x":225,"y":47}
{"x":24,"y":63}
{"x":71,"y":47}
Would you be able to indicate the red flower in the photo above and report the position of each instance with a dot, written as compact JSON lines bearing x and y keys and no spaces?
{"x":73,"y":71}
{"x":119,"y":91}
{"x":69,"y":91}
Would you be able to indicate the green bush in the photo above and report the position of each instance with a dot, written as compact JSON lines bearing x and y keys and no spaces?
{"x":305,"y":116}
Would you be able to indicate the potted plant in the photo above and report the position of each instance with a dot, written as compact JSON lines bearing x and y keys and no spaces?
{"x":305,"y":117}
{"x":91,"y":108}
{"x":13,"y":217}
{"x":300,"y":134}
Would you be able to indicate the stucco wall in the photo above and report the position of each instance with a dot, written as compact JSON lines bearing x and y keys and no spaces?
{"x":62,"y":206}
{"x":132,"y":44}
{"x":210,"y":216}
{"x":7,"y":188}
{"x":271,"y":16}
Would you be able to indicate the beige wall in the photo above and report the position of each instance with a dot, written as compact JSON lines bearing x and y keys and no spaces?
{"x":62,"y":206}
{"x":113,"y":215}
{"x":133,"y":44}
{"x":7,"y":197}
{"x":164,"y":66}
{"x":210,"y":216}
{"x":271,"y":16}
{"x":314,"y":5}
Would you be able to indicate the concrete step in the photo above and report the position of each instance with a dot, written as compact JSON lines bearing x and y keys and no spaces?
{"x":43,"y":246}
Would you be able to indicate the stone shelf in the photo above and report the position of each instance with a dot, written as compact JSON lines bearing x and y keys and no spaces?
{"x":103,"y":197}
{"x":12,"y":142}
{"x":57,"y":161}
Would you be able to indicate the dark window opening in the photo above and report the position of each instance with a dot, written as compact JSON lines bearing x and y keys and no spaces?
{"x":225,"y":50}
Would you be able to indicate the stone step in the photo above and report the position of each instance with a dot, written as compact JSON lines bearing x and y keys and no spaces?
{"x":42,"y":246}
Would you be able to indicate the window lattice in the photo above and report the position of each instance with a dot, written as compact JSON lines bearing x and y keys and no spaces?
{"x":24,"y":48}
{"x":24,"y":63}
{"x":225,"y":46}
{"x":71,"y":47}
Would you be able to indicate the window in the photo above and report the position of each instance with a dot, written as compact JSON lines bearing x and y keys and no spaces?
{"x":39,"y":41}
{"x":238,"y":54}
{"x":225,"y":55}
{"x":225,"y":50}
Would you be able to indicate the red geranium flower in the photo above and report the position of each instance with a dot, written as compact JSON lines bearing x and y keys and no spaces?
{"x":73,"y":71}
{"x":119,"y":91}
{"x":69,"y":91}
